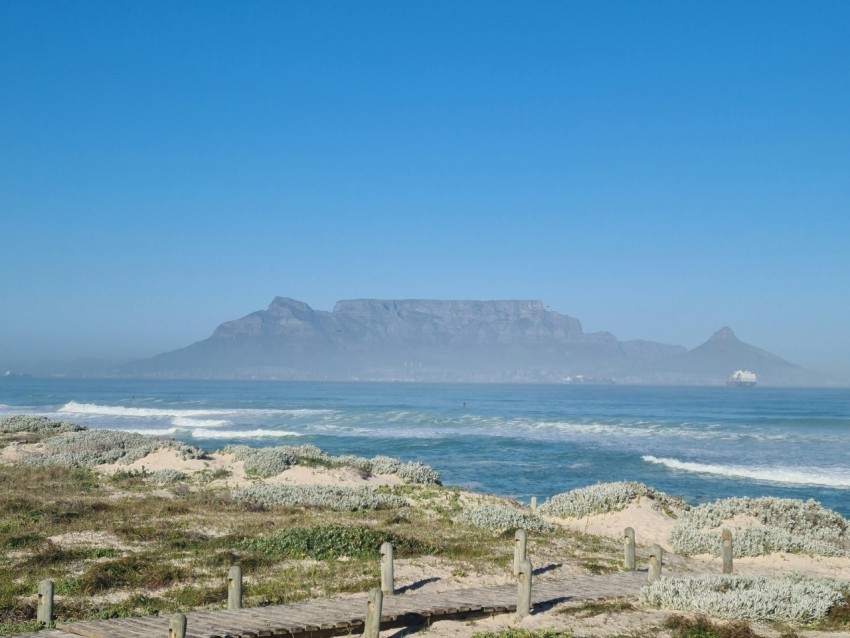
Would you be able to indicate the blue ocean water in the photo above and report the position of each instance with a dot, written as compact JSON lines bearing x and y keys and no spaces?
{"x":511,"y":440}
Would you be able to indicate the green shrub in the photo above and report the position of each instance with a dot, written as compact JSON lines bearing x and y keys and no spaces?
{"x":130,"y":571}
{"x":328,"y":542}
{"x":325,"y":496}
{"x":703,"y":627}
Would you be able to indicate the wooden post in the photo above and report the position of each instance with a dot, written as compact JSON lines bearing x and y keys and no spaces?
{"x":44,"y":611}
{"x":520,"y":548}
{"x":727,"y":551}
{"x":234,"y":587}
{"x":374,"y":607}
{"x":656,"y":559}
{"x":177,"y":629}
{"x":629,"y":545}
{"x":523,"y":590}
{"x":387,"y":574}
{"x":533,"y":503}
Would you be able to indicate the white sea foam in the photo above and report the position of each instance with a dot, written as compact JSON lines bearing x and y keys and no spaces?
{"x":117,"y":410}
{"x":242,"y":434}
{"x":304,"y":412}
{"x":794,"y":476}
{"x":151,"y":431}
{"x":646,"y":429}
{"x":188,"y":422}
{"x":94,"y":409}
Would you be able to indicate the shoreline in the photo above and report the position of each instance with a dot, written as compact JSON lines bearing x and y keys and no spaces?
{"x":579,"y":431}
{"x":225,"y":472}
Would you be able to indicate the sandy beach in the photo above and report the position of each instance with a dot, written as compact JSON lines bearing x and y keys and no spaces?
{"x":223,"y":471}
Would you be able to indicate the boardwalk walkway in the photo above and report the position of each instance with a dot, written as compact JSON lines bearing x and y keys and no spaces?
{"x":333,"y":616}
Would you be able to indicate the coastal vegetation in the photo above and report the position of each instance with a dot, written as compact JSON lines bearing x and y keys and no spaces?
{"x":119,"y":538}
{"x":775,"y":525}
{"x":503,"y":518}
{"x":607,"y":497}
{"x":793,"y":598}
{"x":331,"y":497}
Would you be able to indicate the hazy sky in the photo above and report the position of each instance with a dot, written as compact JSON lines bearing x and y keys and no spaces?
{"x":655,"y":169}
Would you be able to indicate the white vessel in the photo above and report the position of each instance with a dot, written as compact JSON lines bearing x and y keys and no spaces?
{"x":742,"y":377}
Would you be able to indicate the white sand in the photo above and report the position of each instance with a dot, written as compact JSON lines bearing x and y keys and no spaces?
{"x":652,"y":526}
{"x":295,"y":475}
{"x":433,"y":574}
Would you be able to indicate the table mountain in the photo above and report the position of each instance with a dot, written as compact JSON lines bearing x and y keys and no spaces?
{"x":431,"y":340}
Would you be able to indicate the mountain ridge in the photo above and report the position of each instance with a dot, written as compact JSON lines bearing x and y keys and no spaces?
{"x":449,"y":340}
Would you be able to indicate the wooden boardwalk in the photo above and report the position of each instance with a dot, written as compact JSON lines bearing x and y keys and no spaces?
{"x":333,"y":616}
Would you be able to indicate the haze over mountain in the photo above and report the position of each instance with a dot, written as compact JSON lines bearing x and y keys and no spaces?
{"x":431,"y":340}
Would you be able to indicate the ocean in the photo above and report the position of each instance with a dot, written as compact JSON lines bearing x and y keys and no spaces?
{"x":512,"y":440}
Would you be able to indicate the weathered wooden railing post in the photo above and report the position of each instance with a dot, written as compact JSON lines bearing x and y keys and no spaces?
{"x":727,"y":551}
{"x":234,"y":588}
{"x":629,"y":546}
{"x":523,"y":590}
{"x":374,"y":608}
{"x":44,"y":611}
{"x":656,"y":559}
{"x":533,"y":503}
{"x":177,"y":628}
{"x":520,"y":548}
{"x":387,"y":573}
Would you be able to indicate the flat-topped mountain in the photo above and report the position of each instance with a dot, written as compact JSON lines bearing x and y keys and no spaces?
{"x":408,"y":322}
{"x":429,"y":340}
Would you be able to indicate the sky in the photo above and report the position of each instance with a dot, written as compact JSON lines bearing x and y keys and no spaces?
{"x":658,"y":170}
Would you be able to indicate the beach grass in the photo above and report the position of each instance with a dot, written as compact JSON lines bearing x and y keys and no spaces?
{"x":121,"y":546}
{"x":137,"y":542}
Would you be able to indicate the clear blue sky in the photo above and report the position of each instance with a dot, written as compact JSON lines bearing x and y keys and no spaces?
{"x":655,"y":169}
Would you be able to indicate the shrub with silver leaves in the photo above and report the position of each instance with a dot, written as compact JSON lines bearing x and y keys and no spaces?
{"x":239,"y":452}
{"x":385,"y":465}
{"x":271,"y":461}
{"x":88,"y":448}
{"x":357,"y":462}
{"x":167,"y":475}
{"x":412,"y":471}
{"x":38,"y":424}
{"x":324,"y":496}
{"x":606,"y":497}
{"x":787,"y":525}
{"x":416,"y":472}
{"x":792,"y":598}
{"x":499,"y":517}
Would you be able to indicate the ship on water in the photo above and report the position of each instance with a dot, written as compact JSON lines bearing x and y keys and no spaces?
{"x":742,"y":378}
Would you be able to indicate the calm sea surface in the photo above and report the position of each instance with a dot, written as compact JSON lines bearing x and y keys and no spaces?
{"x":512,"y":440}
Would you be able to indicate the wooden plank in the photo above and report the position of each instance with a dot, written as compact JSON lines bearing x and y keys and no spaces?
{"x":286,"y":621}
{"x":137,"y":627}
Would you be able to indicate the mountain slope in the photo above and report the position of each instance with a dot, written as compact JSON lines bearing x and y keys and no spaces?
{"x":724,"y":353}
{"x":403,"y":339}
{"x":431,"y":340}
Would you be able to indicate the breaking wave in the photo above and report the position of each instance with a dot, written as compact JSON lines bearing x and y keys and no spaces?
{"x":303,"y":412}
{"x":94,"y":409}
{"x":188,"y":422}
{"x":242,"y":434}
{"x":116,"y":410}
{"x":151,"y":431}
{"x":791,"y":476}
